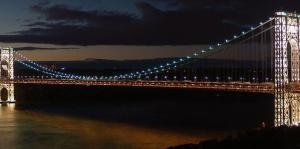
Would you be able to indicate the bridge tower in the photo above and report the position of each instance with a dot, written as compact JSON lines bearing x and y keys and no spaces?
{"x":287,"y":68}
{"x":6,"y":73}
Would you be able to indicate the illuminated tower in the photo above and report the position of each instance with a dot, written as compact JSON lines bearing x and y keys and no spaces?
{"x":6,"y":73}
{"x":286,"y":62}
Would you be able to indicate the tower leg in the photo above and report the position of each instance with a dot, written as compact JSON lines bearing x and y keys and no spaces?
{"x":11,"y":93}
{"x":294,"y":108}
{"x":286,"y":54}
{"x":287,"y":110}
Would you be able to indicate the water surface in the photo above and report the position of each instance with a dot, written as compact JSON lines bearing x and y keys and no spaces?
{"x":21,"y":128}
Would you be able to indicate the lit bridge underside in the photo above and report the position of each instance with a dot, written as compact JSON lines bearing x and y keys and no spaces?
{"x":221,"y":86}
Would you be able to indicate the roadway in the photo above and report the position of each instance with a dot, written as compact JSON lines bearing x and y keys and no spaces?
{"x":222,"y":86}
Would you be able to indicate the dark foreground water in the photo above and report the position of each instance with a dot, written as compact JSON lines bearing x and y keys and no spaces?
{"x":21,"y":128}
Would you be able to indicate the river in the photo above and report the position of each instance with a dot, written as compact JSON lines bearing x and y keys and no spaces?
{"x":25,"y":128}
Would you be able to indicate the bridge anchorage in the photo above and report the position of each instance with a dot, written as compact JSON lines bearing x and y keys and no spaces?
{"x":6,"y":73}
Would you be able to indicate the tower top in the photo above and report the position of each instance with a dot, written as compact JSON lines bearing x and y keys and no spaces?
{"x":287,"y":14}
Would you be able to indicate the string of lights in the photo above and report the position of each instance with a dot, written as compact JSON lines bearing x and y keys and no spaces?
{"x":39,"y":70}
{"x":137,"y":74}
{"x":48,"y":70}
{"x":175,"y":63}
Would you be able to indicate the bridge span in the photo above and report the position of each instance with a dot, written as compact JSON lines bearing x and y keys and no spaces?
{"x":220,"y":86}
{"x":267,"y":54}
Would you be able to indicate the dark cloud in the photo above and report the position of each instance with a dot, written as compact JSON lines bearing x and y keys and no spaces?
{"x":189,"y":22}
{"x":39,"y":48}
{"x":66,"y":14}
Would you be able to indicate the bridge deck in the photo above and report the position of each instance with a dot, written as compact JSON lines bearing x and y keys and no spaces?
{"x":223,"y":86}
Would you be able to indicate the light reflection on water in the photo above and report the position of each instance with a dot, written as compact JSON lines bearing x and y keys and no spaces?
{"x":28,"y":129}
{"x":7,"y":126}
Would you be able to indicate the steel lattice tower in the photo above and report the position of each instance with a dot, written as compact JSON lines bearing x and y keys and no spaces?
{"x":7,"y":73}
{"x":286,"y":71}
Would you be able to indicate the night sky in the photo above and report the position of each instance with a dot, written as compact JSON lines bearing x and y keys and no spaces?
{"x":126,"y":29}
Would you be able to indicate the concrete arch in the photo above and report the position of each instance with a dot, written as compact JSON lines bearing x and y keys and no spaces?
{"x":7,"y":93}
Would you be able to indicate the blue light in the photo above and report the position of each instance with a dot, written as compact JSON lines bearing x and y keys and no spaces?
{"x":35,"y":66}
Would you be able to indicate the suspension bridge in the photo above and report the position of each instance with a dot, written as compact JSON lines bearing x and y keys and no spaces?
{"x":264,"y":59}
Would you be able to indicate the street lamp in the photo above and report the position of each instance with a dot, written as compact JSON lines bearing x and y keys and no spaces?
{"x":229,"y":78}
{"x":267,"y":79}
{"x":218,"y":79}
{"x":206,"y":78}
{"x":242,"y":79}
{"x":195,"y":78}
